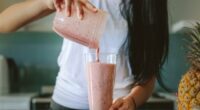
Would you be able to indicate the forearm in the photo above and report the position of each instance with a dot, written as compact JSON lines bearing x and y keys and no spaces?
{"x":140,"y":94}
{"x":22,"y":13}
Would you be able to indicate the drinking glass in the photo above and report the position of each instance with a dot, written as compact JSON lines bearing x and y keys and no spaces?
{"x":100,"y":77}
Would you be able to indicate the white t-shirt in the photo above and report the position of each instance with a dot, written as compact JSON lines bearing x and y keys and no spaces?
{"x":71,"y":85}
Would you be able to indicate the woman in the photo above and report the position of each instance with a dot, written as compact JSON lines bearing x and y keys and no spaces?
{"x":137,"y":30}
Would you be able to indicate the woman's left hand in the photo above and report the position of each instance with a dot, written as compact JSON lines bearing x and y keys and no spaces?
{"x":125,"y":103}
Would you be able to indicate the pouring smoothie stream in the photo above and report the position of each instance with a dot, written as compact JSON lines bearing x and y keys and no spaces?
{"x":100,"y":71}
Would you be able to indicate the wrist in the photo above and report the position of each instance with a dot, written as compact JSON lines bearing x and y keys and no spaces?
{"x":48,"y":4}
{"x":39,"y":9}
{"x":132,"y":100}
{"x":134,"y":103}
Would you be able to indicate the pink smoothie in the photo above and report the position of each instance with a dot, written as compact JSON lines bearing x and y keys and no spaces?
{"x":101,"y":82}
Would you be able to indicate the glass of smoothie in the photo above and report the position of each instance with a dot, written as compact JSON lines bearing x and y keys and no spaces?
{"x":100,"y":77}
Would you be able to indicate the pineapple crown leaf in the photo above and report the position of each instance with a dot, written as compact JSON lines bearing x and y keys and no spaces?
{"x":194,"y":45}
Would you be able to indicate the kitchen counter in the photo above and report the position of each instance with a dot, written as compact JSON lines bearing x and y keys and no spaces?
{"x":18,"y":101}
{"x":160,"y":101}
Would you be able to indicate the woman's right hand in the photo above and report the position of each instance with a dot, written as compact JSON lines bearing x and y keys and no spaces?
{"x":79,"y":4}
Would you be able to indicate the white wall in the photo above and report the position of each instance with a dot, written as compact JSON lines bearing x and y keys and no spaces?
{"x":6,"y":3}
{"x":178,"y":10}
{"x":184,"y":10}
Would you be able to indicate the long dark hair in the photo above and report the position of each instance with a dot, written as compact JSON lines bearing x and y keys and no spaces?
{"x":148,"y":37}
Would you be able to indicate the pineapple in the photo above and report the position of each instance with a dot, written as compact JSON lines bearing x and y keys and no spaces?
{"x":189,"y":86}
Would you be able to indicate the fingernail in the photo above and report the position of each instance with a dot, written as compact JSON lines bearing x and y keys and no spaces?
{"x":67,"y":13}
{"x":58,"y":10}
{"x":95,"y":9}
{"x":80,"y":16}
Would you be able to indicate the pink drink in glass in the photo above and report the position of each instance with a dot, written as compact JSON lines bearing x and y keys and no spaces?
{"x":101,"y":75}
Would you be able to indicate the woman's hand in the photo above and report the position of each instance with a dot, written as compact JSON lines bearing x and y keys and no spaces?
{"x":79,"y":4}
{"x":126,"y":103}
